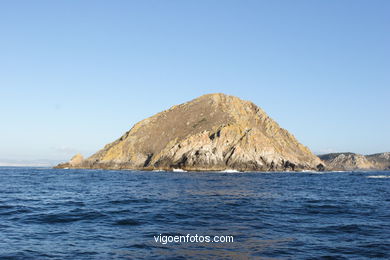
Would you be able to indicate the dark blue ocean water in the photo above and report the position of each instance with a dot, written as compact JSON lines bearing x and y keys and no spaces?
{"x":96,"y":214}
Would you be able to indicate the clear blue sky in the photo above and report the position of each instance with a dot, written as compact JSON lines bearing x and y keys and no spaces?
{"x":75,"y":75}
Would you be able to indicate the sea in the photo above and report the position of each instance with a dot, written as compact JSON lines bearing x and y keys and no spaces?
{"x":101,"y":214}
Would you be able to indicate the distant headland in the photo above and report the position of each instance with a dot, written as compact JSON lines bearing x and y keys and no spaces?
{"x":356,"y":162}
{"x":214,"y":132}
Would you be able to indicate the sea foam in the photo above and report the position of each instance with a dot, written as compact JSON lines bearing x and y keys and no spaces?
{"x":230,"y":171}
{"x":179,"y":170}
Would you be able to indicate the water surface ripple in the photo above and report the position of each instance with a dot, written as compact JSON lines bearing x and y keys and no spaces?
{"x":95,"y":214}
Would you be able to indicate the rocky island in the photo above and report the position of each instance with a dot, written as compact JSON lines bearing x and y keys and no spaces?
{"x":354,"y":161}
{"x":214,"y":132}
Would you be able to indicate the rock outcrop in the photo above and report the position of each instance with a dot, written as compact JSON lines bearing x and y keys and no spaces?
{"x":346,"y":162}
{"x":211,"y":133}
{"x":76,"y":160}
{"x":380,"y":161}
{"x":354,"y":162}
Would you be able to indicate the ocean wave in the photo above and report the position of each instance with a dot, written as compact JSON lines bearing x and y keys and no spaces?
{"x":379,"y":176}
{"x":178,"y":170}
{"x":115,"y":214}
{"x":127,"y":222}
{"x":63,"y":217}
{"x":312,"y":172}
{"x":230,"y":171}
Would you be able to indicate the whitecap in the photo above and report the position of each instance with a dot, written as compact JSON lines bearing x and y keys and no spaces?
{"x":379,"y":176}
{"x":230,"y":171}
{"x":312,"y":172}
{"x":179,"y":170}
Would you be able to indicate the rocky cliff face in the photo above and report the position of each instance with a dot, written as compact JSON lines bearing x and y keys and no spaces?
{"x":353,"y":161}
{"x":213,"y":132}
{"x":380,"y":160}
{"x":346,"y":162}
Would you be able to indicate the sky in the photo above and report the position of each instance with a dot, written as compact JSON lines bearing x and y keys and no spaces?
{"x":76,"y":75}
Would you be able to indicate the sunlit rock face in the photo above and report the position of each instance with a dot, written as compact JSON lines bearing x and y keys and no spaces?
{"x":211,"y":133}
{"x":353,"y":161}
{"x":76,"y":160}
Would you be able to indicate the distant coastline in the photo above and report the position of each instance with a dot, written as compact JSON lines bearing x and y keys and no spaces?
{"x":19,"y":163}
